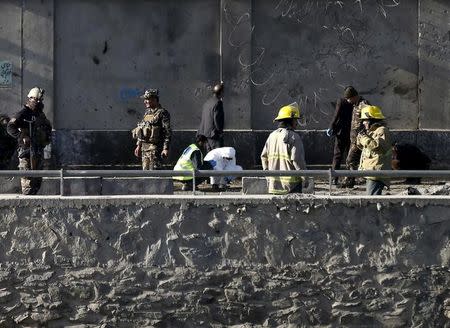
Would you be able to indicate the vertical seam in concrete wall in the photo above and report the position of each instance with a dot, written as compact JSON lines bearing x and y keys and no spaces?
{"x":415,"y":135}
{"x":54,"y":67}
{"x":22,"y":51}
{"x":221,"y":40}
{"x":419,"y":103}
{"x":251,"y":61}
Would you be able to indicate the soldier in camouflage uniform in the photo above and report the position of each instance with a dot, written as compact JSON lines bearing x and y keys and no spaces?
{"x":33,"y":132}
{"x":153,"y":133}
{"x":354,"y":153}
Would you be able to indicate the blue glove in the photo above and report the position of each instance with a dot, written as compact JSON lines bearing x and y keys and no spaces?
{"x":329,"y":132}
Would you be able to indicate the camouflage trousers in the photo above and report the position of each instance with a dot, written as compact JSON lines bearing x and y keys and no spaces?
{"x":353,"y":157}
{"x":352,"y":163}
{"x":30,"y":186}
{"x":151,"y":157}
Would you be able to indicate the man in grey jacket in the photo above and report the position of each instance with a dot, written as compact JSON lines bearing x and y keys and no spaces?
{"x":211,"y":125}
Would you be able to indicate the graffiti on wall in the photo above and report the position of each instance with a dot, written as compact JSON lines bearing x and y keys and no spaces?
{"x":5,"y":74}
{"x":127,"y":94}
{"x":313,"y":73}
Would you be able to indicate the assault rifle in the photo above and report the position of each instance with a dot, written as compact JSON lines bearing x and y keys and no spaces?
{"x":31,"y":136}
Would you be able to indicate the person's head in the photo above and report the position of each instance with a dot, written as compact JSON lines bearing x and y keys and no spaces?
{"x":351,"y":95}
{"x":228,"y":153}
{"x":371,"y":115}
{"x":151,"y":98}
{"x":201,"y":140}
{"x":4,"y":119}
{"x":35,"y":98}
{"x":218,"y":90}
{"x":288,"y":115}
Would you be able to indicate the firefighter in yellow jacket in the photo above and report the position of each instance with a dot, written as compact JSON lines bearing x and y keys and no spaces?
{"x":284,"y":151}
{"x":375,"y":144}
{"x":153,"y":133}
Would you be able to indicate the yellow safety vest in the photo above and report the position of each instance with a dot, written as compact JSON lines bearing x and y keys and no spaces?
{"x":184,"y":163}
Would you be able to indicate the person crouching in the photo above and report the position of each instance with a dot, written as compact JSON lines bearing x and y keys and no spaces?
{"x":192,"y":160}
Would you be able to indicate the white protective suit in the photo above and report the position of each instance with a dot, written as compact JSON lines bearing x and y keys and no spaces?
{"x":222,"y":159}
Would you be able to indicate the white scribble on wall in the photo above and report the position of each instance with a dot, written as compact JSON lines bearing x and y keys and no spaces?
{"x":343,"y":37}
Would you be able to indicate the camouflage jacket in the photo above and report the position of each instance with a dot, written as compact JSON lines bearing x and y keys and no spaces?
{"x":154,"y":128}
{"x":357,"y":125}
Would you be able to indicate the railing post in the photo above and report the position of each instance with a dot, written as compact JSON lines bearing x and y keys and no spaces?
{"x":61,"y":182}
{"x":330,"y":180}
{"x":193,"y":181}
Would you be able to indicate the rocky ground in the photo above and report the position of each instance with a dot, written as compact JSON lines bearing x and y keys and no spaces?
{"x":321,"y":187}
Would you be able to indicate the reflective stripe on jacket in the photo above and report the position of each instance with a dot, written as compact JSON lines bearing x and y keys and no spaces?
{"x":283,"y":151}
{"x":185,"y":163}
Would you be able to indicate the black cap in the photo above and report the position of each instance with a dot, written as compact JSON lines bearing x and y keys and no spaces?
{"x":350,"y":92}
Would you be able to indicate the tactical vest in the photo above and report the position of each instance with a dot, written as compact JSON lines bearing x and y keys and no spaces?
{"x":149,"y":130}
{"x":184,"y":163}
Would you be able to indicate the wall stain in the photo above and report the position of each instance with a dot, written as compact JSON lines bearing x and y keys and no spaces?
{"x":96,"y":60}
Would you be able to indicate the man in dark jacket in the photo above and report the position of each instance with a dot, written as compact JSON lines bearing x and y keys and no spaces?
{"x":33,"y":131}
{"x":8,"y":144}
{"x":340,"y":128}
{"x":211,"y":125}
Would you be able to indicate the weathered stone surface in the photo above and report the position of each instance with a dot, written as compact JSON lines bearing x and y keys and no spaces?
{"x":268,"y":262}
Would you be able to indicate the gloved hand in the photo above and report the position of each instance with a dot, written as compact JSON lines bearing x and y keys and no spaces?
{"x":329,"y":132}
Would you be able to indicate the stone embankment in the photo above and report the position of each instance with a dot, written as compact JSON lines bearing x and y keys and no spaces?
{"x":224,"y":261}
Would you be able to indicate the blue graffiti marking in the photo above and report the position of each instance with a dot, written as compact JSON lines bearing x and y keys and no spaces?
{"x":127,"y":94}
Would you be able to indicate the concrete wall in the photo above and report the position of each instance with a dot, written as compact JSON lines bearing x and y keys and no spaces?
{"x":95,"y":59}
{"x":308,"y":53}
{"x":26,"y":40}
{"x":133,"y":45}
{"x":167,"y":262}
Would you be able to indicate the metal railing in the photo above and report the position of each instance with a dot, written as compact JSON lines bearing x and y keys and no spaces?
{"x":327,"y":174}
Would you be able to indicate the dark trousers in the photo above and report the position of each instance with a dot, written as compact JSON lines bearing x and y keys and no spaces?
{"x":199,"y":180}
{"x":341,"y":147}
{"x":297,"y":189}
{"x":374,"y":187}
{"x":213,"y":143}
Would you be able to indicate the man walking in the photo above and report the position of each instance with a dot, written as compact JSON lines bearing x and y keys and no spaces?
{"x":354,"y":153}
{"x":284,"y":151}
{"x":212,"y":123}
{"x":153,"y":133}
{"x":33,"y":132}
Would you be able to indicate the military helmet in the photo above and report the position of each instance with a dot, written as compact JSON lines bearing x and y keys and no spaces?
{"x":289,"y":111}
{"x":371,"y":112}
{"x":150,"y":93}
{"x":37,"y":93}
